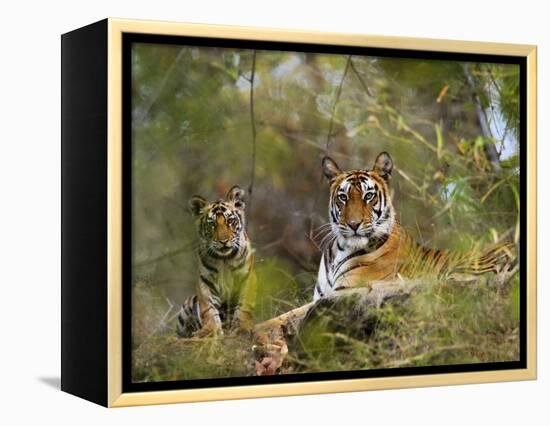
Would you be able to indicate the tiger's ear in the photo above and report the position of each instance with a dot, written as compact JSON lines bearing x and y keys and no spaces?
{"x":330,"y":168}
{"x":383,"y":165}
{"x":236,"y":195}
{"x":196,"y":204}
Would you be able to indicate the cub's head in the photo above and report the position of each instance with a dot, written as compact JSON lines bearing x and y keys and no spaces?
{"x":220,"y":224}
{"x":360,"y":207}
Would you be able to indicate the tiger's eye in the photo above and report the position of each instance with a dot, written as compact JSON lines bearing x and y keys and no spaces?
{"x":369,"y":196}
{"x":343,"y":197}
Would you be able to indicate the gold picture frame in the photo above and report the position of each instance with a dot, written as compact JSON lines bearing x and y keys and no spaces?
{"x":113,"y":30}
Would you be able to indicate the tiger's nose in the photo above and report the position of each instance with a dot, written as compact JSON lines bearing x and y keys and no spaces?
{"x":354,"y":225}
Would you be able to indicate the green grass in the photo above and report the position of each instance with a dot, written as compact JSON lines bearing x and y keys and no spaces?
{"x":439,"y":324}
{"x":167,"y":357}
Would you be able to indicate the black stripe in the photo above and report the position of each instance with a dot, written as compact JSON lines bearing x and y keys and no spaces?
{"x":187,"y":310}
{"x":327,"y":277}
{"x":241,"y":218}
{"x":209,"y":283}
{"x":333,"y":216}
{"x":207,"y":265}
{"x":245,"y":259}
{"x":437,"y":255}
{"x":330,"y":254}
{"x":216,"y":305}
{"x":318,"y":288}
{"x":214,"y":300}
{"x":359,"y":265}
{"x":326,"y":266}
{"x":425,"y":253}
{"x":360,"y":252}
{"x":474,"y":269}
{"x":196,"y":310}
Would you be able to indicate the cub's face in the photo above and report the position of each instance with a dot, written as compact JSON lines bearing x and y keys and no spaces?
{"x":220,"y":224}
{"x":360,"y":207}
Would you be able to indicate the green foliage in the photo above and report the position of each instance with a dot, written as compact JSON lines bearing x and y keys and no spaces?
{"x":165,"y":357}
{"x":441,"y":324}
{"x":279,"y":291}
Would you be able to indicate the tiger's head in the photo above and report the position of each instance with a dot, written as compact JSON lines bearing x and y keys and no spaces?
{"x":220,"y":224}
{"x":360,"y":208}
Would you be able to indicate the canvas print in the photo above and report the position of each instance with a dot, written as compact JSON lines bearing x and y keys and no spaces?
{"x":300,"y":212}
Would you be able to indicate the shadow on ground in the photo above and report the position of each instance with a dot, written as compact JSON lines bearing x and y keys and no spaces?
{"x":53,"y":382}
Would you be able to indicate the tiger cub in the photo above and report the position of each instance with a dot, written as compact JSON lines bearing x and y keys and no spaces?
{"x":226,"y":288}
{"x":367,"y":243}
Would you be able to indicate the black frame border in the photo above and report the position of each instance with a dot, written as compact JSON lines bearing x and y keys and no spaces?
{"x":128,"y":39}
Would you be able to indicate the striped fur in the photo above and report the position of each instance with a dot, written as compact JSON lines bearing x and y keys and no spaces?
{"x":226,"y":289}
{"x":366,"y":243}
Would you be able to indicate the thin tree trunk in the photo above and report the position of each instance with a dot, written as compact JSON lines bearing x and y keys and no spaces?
{"x":490,"y":148}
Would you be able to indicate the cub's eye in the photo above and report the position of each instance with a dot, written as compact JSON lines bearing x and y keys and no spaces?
{"x":369,"y":196}
{"x":343,"y":197}
{"x":231,"y":221}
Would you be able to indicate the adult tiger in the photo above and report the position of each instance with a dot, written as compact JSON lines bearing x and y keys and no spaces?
{"x":366,"y":242}
{"x":226,"y":289}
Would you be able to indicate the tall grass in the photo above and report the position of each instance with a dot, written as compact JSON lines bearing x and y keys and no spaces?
{"x":439,"y":324}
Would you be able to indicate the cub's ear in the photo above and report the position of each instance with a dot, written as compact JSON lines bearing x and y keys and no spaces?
{"x":383,"y":165}
{"x":196,"y":204}
{"x":236,"y":195}
{"x":330,"y":168}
